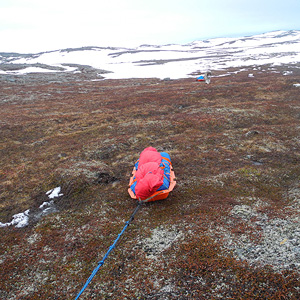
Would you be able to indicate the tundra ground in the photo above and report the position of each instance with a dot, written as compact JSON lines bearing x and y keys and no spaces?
{"x":229,"y":230}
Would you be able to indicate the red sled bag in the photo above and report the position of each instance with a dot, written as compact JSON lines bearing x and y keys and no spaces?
{"x":152,"y":177}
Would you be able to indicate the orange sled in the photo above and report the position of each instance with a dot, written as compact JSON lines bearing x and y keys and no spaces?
{"x":159,"y":195}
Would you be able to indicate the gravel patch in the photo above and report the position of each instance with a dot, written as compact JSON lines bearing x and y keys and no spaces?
{"x":161,"y":239}
{"x":276,"y":242}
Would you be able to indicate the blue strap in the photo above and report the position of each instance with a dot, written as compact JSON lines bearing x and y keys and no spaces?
{"x":100,"y":263}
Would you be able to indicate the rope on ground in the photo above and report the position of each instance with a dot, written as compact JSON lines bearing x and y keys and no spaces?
{"x":100,"y":263}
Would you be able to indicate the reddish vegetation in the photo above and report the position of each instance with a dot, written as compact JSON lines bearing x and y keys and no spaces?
{"x":233,"y":140}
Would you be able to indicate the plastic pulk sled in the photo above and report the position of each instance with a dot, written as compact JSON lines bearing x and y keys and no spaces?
{"x":206,"y":77}
{"x":152,"y":179}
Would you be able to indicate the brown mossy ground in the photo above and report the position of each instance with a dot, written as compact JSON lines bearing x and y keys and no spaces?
{"x":234,"y":140}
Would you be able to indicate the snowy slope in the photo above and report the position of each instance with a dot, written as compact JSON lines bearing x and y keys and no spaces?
{"x":174,"y":61}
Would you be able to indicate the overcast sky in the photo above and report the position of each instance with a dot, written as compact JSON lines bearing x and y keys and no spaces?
{"x":36,"y":25}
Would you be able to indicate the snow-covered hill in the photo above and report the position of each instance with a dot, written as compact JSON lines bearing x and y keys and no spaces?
{"x":173,"y":61}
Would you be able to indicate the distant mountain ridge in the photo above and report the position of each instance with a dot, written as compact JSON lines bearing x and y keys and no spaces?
{"x":172,"y":60}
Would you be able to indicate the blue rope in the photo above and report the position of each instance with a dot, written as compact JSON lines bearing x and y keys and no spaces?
{"x":100,"y":263}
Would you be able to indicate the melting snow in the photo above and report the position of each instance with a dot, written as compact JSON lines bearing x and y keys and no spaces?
{"x":19,"y":220}
{"x":174,"y":61}
{"x":54,"y":193}
{"x":22,"y":219}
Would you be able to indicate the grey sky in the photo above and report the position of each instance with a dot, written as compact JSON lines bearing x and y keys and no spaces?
{"x":34,"y":25}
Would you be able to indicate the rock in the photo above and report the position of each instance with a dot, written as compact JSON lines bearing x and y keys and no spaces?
{"x":252,"y":133}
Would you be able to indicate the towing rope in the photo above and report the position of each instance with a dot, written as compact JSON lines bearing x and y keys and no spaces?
{"x":100,"y":263}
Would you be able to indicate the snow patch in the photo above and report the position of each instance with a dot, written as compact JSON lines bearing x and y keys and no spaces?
{"x":174,"y":61}
{"x":54,"y":193}
{"x":19,"y":220}
{"x":22,"y":219}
